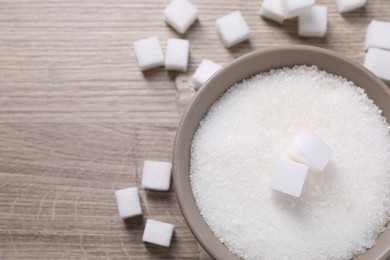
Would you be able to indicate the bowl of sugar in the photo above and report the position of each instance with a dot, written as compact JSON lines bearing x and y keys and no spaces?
{"x":285,"y":154}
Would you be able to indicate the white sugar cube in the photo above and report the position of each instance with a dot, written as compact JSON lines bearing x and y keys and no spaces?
{"x":156,"y":175}
{"x":273,"y":10}
{"x":232,"y":29}
{"x":149,"y":53}
{"x":157,"y":232}
{"x":128,"y":203}
{"x":295,"y":8}
{"x":378,"y":62}
{"x":205,"y":70}
{"x":378,"y":35}
{"x":289,"y":177}
{"x":176,"y":56}
{"x":180,"y":14}
{"x":313,"y":23}
{"x":310,"y":149}
{"x":349,"y":5}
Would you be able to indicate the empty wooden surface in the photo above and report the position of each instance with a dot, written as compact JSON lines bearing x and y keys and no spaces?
{"x":78,"y":118}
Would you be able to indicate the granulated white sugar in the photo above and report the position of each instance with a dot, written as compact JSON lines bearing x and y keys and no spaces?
{"x":340,"y":212}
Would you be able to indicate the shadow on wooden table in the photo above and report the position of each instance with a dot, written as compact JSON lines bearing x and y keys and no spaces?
{"x":356,"y":14}
{"x":160,"y":251}
{"x":163,"y":252}
{"x":242,"y":48}
{"x":160,"y":73}
{"x":154,"y":74}
{"x":153,"y":195}
{"x":173,"y":74}
{"x":133,"y":223}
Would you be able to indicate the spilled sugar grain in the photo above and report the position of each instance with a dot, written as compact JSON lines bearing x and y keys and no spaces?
{"x":342,"y":209}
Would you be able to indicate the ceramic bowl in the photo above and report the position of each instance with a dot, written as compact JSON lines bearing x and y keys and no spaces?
{"x":242,"y":68}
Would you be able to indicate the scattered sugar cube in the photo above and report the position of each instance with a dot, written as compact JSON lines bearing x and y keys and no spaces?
{"x":349,"y":5}
{"x":149,"y":53}
{"x":157,"y":232}
{"x":378,"y":62}
{"x":156,"y":175}
{"x":378,"y":35}
{"x":232,"y":29}
{"x":289,"y":177}
{"x":313,"y":23}
{"x":205,"y":70}
{"x":176,"y":56}
{"x":295,"y":8}
{"x":128,"y":202}
{"x":273,"y":10}
{"x":310,"y":149}
{"x":180,"y":14}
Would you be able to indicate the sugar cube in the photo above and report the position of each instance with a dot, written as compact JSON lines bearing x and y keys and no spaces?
{"x":233,"y":29}
{"x":295,"y":8}
{"x":313,"y":22}
{"x":378,"y":62}
{"x":273,"y":10}
{"x":176,"y":56}
{"x":205,"y":70}
{"x":310,"y":149}
{"x":378,"y":35}
{"x":289,"y":177}
{"x":156,"y":175}
{"x":128,"y":202}
{"x":149,"y":53}
{"x":157,"y":232}
{"x":349,"y":5}
{"x":180,"y":14}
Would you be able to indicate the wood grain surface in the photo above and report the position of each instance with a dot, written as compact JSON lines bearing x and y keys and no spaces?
{"x":78,"y":118}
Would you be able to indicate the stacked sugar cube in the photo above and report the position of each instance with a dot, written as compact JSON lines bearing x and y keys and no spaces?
{"x":156,"y":176}
{"x":312,"y":19}
{"x":308,"y":151}
{"x":378,"y":45}
{"x":233,"y":29}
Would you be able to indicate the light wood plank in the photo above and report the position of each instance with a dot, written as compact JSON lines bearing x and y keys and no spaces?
{"x":78,"y":118}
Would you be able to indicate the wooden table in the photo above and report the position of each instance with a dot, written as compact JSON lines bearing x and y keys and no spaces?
{"x":78,"y":118}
